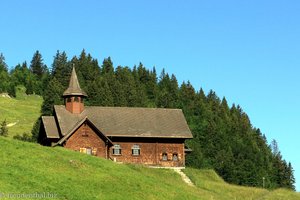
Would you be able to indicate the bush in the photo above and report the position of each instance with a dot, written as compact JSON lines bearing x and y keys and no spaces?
{"x":3,"y":129}
{"x":25,"y":137}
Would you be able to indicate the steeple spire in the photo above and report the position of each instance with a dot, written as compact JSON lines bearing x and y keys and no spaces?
{"x":74,"y":95}
{"x":74,"y":87}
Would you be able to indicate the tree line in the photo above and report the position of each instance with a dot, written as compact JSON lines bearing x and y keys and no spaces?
{"x":224,"y":138}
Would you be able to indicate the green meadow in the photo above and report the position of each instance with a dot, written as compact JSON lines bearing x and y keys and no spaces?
{"x":28,"y":168}
{"x":20,"y":113}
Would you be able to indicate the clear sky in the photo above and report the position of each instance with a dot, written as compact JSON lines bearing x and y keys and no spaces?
{"x":248,"y":51}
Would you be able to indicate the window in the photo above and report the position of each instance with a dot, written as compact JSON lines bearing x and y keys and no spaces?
{"x":84,"y":131}
{"x":117,"y":149}
{"x":82,"y":150}
{"x":89,"y":151}
{"x":94,"y":152}
{"x":69,"y":99}
{"x":76,"y":99}
{"x":136,"y":150}
{"x":175,"y":157}
{"x":165,"y":156}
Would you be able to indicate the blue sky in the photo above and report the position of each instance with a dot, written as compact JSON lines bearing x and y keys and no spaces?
{"x":248,"y":51}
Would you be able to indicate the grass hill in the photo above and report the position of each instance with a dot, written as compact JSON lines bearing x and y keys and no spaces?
{"x":20,"y":113}
{"x":28,"y":168}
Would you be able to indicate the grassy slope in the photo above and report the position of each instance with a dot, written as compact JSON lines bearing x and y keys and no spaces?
{"x":29,"y":168}
{"x":23,"y":111}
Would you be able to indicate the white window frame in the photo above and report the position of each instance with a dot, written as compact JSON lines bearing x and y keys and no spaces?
{"x":136,"y":150}
{"x":118,"y":148}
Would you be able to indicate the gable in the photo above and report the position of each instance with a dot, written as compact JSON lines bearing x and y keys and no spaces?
{"x":84,"y":122}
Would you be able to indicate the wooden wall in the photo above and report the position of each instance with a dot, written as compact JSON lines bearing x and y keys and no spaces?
{"x":86,"y":137}
{"x":151,"y":149}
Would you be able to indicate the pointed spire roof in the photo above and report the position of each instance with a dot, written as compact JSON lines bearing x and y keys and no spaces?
{"x":74,"y":87}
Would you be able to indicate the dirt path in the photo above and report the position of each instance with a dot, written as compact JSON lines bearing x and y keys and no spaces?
{"x":184,"y":177}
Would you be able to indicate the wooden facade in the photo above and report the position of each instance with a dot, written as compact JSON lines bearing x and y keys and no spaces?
{"x":86,"y":140}
{"x":148,"y":151}
{"x":129,"y":135}
{"x":152,"y":151}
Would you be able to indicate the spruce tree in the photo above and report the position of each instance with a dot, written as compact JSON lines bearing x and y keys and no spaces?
{"x":290,"y":177}
{"x":37,"y":66}
{"x":52,"y":96}
{"x":4,"y":76}
{"x":127,"y":85}
{"x":107,"y":66}
{"x":61,"y":68}
{"x":40,"y":73}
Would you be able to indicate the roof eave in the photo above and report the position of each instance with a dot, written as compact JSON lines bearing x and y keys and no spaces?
{"x":151,"y":136}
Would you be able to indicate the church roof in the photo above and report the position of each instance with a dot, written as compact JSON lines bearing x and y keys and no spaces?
{"x":128,"y":122}
{"x":74,"y":87}
{"x":50,"y":126}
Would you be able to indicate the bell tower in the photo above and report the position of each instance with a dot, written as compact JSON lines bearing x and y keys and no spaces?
{"x":74,"y":95}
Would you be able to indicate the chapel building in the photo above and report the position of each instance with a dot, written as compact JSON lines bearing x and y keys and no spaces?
{"x":149,"y":136}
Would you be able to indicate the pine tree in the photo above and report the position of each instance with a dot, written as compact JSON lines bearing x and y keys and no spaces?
{"x":40,"y":72}
{"x":52,"y":96}
{"x":168,"y":91}
{"x":290,"y":177}
{"x":37,"y":66}
{"x":4,"y":76}
{"x":3,"y":65}
{"x":61,"y":68}
{"x":107,"y":66}
{"x":274,"y":147}
{"x":35,"y":132}
{"x":127,"y":85}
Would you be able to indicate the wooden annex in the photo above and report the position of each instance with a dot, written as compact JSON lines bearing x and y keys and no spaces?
{"x":149,"y":136}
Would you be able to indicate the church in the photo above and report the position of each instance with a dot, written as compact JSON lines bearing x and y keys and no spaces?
{"x":148,"y":136}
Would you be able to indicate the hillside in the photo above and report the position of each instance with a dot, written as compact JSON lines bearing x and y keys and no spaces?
{"x":30,"y":168}
{"x":224,"y":137}
{"x":20,"y":113}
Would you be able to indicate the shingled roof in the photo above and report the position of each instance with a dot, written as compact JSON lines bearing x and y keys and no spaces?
{"x":74,"y":87}
{"x":128,"y":122}
{"x":50,"y":126}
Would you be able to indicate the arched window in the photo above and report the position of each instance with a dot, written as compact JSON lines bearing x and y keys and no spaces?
{"x":164,"y":156}
{"x":136,"y":150}
{"x":117,"y":149}
{"x":69,"y":99}
{"x":175,"y":157}
{"x":76,"y":99}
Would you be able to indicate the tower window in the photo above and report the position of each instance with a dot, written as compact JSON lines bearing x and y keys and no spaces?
{"x":69,"y":99}
{"x":76,"y":99}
